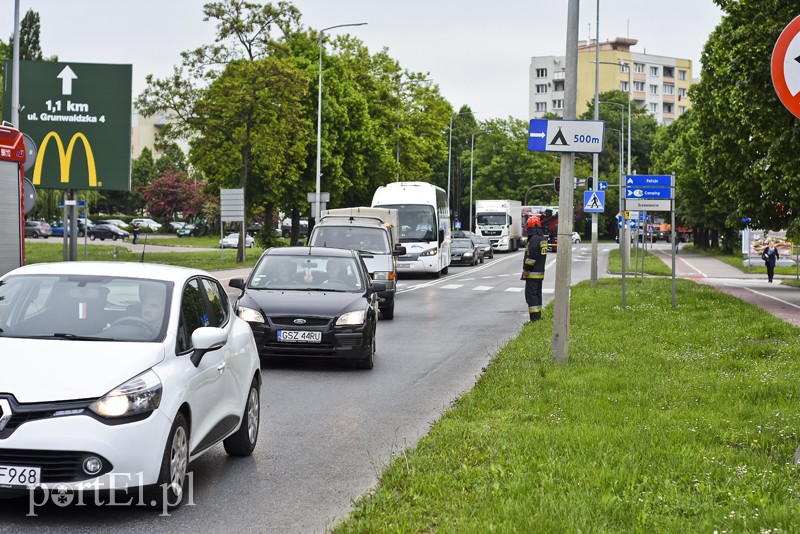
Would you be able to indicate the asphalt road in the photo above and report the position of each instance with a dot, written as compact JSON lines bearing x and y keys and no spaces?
{"x":327,"y":431}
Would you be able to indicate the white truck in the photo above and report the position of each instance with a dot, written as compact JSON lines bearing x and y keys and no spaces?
{"x":501,"y":222}
{"x":373,"y":232}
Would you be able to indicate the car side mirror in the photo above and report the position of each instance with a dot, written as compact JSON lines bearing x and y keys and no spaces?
{"x":377,"y":287}
{"x":399,"y":250}
{"x":238,"y":283}
{"x":205,"y":339}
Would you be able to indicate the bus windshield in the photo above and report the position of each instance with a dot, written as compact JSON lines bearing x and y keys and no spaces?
{"x":417,"y":222}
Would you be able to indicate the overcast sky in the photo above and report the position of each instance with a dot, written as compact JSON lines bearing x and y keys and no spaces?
{"x":477,"y":51}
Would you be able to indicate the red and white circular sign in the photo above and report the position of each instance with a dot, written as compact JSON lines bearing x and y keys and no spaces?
{"x":786,"y":66}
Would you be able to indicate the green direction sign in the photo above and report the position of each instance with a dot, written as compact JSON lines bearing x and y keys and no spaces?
{"x":79,"y":116}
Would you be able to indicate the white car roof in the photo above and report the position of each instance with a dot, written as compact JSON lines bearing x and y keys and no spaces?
{"x":148,"y":271}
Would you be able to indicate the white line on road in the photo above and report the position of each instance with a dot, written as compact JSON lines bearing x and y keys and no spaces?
{"x":482,"y":288}
{"x":770,"y":296}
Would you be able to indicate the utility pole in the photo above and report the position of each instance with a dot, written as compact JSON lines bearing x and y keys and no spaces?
{"x":565,"y":197}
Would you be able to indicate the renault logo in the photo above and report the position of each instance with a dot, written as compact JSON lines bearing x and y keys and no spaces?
{"x":5,"y":413}
{"x":65,"y":158}
{"x":299,"y":321}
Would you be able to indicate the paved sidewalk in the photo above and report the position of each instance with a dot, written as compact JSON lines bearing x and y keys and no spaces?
{"x":780,"y":300}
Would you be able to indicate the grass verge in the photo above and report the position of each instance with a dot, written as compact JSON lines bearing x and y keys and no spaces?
{"x":208,"y":260}
{"x":653,"y":265}
{"x":664,"y":420}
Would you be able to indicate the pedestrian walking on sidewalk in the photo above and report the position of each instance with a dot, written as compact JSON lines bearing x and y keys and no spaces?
{"x":137,"y":229}
{"x":533,"y":267}
{"x":770,"y":256}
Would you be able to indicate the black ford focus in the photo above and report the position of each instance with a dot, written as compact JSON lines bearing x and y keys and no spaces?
{"x":311,"y":302}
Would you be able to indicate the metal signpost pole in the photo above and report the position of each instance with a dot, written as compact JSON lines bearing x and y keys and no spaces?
{"x":596,"y":156}
{"x":672,"y":220}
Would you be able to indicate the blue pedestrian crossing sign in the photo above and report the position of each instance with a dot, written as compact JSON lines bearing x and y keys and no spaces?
{"x":594,"y":201}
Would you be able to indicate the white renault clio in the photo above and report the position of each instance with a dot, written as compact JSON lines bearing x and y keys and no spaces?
{"x":117,"y":375}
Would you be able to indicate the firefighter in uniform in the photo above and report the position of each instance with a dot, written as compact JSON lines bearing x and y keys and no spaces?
{"x":533,"y":266}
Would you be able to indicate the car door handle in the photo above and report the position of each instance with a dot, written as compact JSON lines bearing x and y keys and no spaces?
{"x":221,"y":367}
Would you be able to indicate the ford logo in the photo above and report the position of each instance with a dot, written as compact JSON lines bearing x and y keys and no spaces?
{"x":299,"y":321}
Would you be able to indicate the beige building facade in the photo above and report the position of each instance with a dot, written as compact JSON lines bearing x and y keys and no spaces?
{"x":659,"y":84}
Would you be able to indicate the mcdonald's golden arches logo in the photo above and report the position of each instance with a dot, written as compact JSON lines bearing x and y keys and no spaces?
{"x":65,"y":158}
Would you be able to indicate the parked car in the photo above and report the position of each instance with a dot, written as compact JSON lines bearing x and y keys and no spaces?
{"x":107,"y":231}
{"x":298,"y":310}
{"x":576,"y":238}
{"x":176,"y":225}
{"x":485,"y":245}
{"x":232,"y":241}
{"x":189,"y":230}
{"x":57,"y":228}
{"x":136,"y":368}
{"x":116,"y":222}
{"x":37,"y":229}
{"x":286,"y":228}
{"x":147,"y":223}
{"x":464,"y":251}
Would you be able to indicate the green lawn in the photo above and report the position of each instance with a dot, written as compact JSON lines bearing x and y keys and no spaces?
{"x":207,"y":260}
{"x":664,"y":420}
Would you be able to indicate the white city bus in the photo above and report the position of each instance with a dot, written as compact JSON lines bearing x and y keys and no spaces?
{"x":424,"y":219}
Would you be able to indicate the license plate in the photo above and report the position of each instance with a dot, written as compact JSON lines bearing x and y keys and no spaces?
{"x":299,"y":336}
{"x":403,"y":265}
{"x":17,"y":476}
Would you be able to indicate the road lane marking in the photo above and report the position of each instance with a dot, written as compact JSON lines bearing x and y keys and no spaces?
{"x":482,"y":288}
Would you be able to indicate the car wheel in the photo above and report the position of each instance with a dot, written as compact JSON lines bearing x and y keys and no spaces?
{"x":243,"y":441}
{"x":286,"y":233}
{"x":369,"y":361}
{"x":445,"y":270}
{"x":92,"y":237}
{"x":388,"y":313}
{"x":114,"y":237}
{"x":168,"y":491}
{"x":250,"y":245}
{"x":35,"y":235}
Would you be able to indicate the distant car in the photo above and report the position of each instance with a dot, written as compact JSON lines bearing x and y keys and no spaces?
{"x":177,"y":225}
{"x":463,"y":233}
{"x":232,"y":241}
{"x":286,"y":228}
{"x":189,"y":230}
{"x":298,"y":309}
{"x":576,"y":238}
{"x":37,"y":229}
{"x":107,"y":231}
{"x":58,"y":229}
{"x":116,"y":222}
{"x":464,"y":251}
{"x":485,"y":245}
{"x":117,"y":375}
{"x":147,"y":223}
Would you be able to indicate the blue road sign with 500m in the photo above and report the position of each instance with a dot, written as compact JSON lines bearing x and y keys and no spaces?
{"x":566,"y":136}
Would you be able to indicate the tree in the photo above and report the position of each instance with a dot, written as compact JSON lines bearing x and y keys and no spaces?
{"x":232,"y":93}
{"x":747,"y":141}
{"x":172,"y":193}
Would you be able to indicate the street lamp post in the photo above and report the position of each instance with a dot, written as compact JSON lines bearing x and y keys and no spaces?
{"x":319,"y":113}
{"x":621,"y":157}
{"x":450,"y":150}
{"x":471,"y":153}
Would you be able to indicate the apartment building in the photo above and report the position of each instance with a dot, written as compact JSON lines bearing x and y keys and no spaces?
{"x":658,"y":84}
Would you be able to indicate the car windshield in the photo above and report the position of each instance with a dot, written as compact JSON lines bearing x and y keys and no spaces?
{"x":462,"y":243}
{"x":304,"y":273}
{"x":78,"y":307}
{"x":353,"y":238}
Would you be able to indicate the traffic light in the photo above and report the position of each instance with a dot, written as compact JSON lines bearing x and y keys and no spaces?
{"x":557,"y":183}
{"x":589,"y":183}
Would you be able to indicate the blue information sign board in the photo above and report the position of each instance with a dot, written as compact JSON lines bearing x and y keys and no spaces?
{"x":645,"y":180}
{"x":656,"y":192}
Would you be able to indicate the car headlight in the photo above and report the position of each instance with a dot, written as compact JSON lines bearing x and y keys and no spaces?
{"x":140,"y":394}
{"x":353,"y":318}
{"x":430,"y":252}
{"x":383,"y":275}
{"x":468,"y":254}
{"x":250,"y":315}
{"x":504,"y":239}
